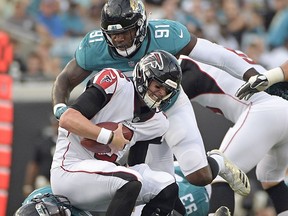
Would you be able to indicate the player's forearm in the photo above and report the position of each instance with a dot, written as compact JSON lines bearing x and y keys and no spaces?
{"x":74,"y":122}
{"x":60,"y":96}
{"x":61,"y":90}
{"x":216,"y":55}
{"x":71,"y":76}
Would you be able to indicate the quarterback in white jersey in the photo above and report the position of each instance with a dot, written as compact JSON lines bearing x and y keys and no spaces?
{"x":256,"y":139}
{"x":90,"y":183}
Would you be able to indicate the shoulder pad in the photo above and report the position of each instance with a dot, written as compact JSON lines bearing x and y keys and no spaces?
{"x":109,"y":79}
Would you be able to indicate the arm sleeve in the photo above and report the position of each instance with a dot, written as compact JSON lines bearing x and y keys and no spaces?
{"x":219,"y":57}
{"x":90,"y":102}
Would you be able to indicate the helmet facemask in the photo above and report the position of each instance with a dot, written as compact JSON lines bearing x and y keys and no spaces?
{"x":152,"y":100}
{"x":52,"y":205}
{"x":163,"y":68}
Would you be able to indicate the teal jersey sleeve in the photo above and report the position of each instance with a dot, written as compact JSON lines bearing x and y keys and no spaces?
{"x":194,"y":198}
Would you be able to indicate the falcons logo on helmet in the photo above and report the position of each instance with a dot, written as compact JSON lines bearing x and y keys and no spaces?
{"x":155,"y":61}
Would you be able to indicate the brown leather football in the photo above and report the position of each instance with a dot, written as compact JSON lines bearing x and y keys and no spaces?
{"x":94,"y":146}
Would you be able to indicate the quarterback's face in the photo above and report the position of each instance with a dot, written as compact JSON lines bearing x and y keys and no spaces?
{"x":157,"y":91}
{"x":123,"y":40}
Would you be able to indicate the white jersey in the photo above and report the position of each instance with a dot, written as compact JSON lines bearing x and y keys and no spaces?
{"x":259,"y":135}
{"x":120,"y":108}
{"x":89,"y":183}
{"x":215,"y":89}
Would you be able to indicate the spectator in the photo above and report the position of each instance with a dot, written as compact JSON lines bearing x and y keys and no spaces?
{"x":21,"y":19}
{"x":92,"y":15}
{"x":6,"y":9}
{"x":183,"y":13}
{"x":49,"y":20}
{"x":235,"y":20}
{"x":278,"y":28}
{"x":72,"y":21}
{"x":212,"y":29}
{"x":51,"y":62}
{"x":19,"y":61}
{"x":34,"y":71}
{"x":227,"y":39}
{"x":254,"y":46}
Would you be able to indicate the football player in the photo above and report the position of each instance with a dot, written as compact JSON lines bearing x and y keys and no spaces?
{"x":124,"y":38}
{"x":195,"y":200}
{"x":93,"y":181}
{"x":254,"y":140}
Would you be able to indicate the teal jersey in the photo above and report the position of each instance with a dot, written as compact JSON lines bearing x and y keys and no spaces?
{"x":47,"y":189}
{"x":94,"y":54}
{"x":279,"y":89}
{"x":194,"y":198}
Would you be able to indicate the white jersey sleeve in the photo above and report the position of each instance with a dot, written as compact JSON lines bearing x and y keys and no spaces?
{"x":219,"y":57}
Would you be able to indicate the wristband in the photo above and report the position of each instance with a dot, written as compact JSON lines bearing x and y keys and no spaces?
{"x":274,"y":75}
{"x":104,"y":136}
{"x":58,"y":106}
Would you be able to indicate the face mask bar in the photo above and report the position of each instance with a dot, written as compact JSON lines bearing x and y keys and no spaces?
{"x":52,"y":205}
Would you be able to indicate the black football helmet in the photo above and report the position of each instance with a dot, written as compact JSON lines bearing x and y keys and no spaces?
{"x":162,"y":67}
{"x":118,"y":16}
{"x":46,"y":205}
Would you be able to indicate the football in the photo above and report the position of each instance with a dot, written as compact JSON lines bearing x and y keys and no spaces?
{"x":94,"y":146}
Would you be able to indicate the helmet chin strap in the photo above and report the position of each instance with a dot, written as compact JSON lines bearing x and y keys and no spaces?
{"x":127,"y":51}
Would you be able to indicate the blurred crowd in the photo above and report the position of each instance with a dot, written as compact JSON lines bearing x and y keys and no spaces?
{"x":45,"y":33}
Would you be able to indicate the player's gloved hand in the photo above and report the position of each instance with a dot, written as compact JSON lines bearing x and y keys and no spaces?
{"x":254,"y":84}
{"x":260,"y":82}
{"x":59,"y":109}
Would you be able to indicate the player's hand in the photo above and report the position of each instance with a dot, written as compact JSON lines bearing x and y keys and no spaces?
{"x":253,"y":85}
{"x":118,"y":142}
{"x":59,"y":109}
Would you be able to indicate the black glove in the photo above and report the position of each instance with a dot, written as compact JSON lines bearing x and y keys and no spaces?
{"x":253,"y":85}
